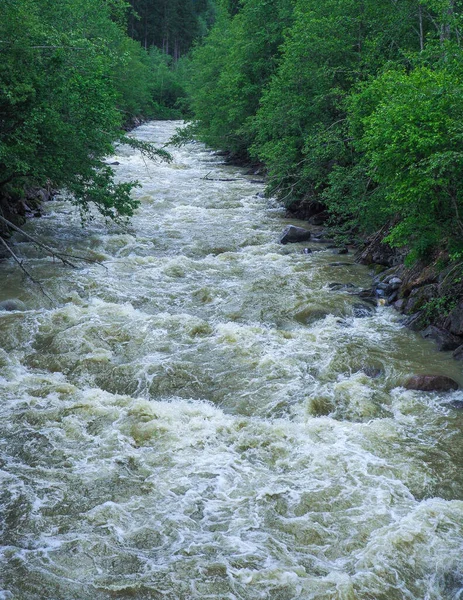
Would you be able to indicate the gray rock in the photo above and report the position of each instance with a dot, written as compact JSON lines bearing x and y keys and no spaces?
{"x":445,"y":341}
{"x":395,"y":283}
{"x":307,"y":251}
{"x":414,"y":321}
{"x":458,"y":404}
{"x":12,"y":305}
{"x":454,"y":321}
{"x":399,"y":304}
{"x":458,"y":354}
{"x":341,"y":286}
{"x":292,"y":234}
{"x":431,"y":383}
{"x":393,"y":297}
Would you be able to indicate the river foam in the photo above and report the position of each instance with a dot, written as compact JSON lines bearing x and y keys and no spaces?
{"x":206,"y":418}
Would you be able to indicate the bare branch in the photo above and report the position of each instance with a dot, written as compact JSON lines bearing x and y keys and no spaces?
{"x":25,"y":271}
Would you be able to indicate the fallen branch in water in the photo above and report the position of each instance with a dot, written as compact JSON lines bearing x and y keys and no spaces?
{"x":63,"y":257}
{"x":25,"y":271}
{"x":207,"y":178}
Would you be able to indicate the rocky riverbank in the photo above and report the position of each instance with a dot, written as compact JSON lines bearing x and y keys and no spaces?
{"x":429,"y":294}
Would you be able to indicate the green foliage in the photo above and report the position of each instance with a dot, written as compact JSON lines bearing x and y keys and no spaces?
{"x":409,"y":127}
{"x":355,"y":104}
{"x":438,"y":308}
{"x":232,"y":68}
{"x":69,"y":76}
{"x":170,"y":25}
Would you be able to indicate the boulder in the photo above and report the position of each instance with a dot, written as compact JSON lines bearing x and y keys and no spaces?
{"x":420,"y":296}
{"x":12,"y":305}
{"x":292,"y":234}
{"x":454,"y":320}
{"x":414,"y":321}
{"x":341,"y":286}
{"x":431,"y":383}
{"x":445,"y":341}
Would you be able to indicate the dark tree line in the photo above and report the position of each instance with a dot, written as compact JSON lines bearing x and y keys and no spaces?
{"x":171,"y":25}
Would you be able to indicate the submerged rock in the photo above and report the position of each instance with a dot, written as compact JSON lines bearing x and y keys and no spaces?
{"x":292,"y":235}
{"x":431,"y":383}
{"x":360,"y":310}
{"x":12,"y":305}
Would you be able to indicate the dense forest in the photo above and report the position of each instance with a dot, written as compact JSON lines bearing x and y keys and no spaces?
{"x":72,"y":79}
{"x":353,"y":104}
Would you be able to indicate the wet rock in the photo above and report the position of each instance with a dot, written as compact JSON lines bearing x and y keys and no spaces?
{"x":361,"y":311}
{"x":341,"y":286}
{"x":310,"y":315}
{"x":372,"y":371}
{"x":292,"y":234}
{"x":458,"y":404}
{"x":12,"y":305}
{"x":400,"y":304}
{"x":115,"y":163}
{"x":367,"y":295}
{"x":454,"y":320}
{"x":395,"y":283}
{"x":339,"y":264}
{"x":445,"y":341}
{"x":431,"y":383}
{"x":458,"y":354}
{"x":414,"y":322}
{"x":392,"y":298}
{"x":307,"y":251}
{"x":343,"y":250}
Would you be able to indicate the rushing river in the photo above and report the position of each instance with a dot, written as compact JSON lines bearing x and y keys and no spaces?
{"x":203,"y":417}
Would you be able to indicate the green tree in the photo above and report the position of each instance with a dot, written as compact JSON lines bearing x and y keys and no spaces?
{"x":231,"y":69}
{"x":64,"y":69}
{"x":409,"y":128}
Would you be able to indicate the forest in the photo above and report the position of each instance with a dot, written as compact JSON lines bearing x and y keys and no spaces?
{"x":73,"y":80}
{"x":354,"y":106}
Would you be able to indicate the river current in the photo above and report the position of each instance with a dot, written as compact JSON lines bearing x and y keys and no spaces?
{"x":204,"y":417}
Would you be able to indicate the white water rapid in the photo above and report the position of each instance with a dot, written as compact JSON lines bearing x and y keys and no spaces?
{"x":204,"y":418}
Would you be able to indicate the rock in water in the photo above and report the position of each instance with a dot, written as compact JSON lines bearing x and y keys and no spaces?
{"x":445,"y":341}
{"x":292,"y":234}
{"x":11,"y":305}
{"x":431,"y":383}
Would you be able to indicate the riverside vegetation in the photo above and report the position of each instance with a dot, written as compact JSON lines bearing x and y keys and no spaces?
{"x":72,"y":80}
{"x":355,"y":109}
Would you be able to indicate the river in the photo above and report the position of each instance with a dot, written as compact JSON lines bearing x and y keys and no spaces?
{"x":204,"y":417}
